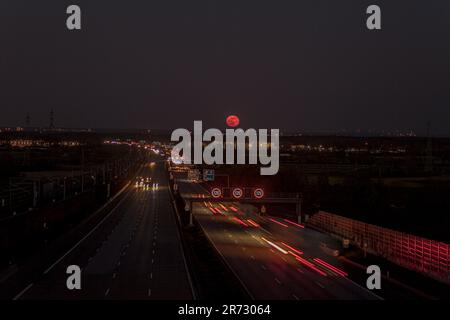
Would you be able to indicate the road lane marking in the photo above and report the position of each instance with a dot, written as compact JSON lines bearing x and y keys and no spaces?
{"x":23,"y":291}
{"x":149,"y":293}
{"x":92,"y":231}
{"x":319,"y":284}
{"x":114,"y":275}
{"x":106,"y":292}
{"x":278,"y":281}
{"x":295,"y":297}
{"x":263,"y":267}
{"x":300,"y":270}
{"x":266,"y":231}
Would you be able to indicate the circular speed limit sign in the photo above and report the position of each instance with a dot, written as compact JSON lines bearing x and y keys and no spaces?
{"x":216,"y":192}
{"x":258,"y":193}
{"x":238,"y":193}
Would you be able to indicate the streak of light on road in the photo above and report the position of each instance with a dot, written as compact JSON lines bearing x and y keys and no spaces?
{"x":311,"y":266}
{"x":275,"y":246}
{"x":293,"y":249}
{"x":331,"y":267}
{"x":295,"y":224}
{"x":278,"y":222}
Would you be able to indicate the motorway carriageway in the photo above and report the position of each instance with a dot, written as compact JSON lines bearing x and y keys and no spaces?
{"x":273,"y":258}
{"x":133,"y":253}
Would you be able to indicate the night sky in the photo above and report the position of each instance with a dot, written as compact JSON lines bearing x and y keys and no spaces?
{"x":296,"y":65}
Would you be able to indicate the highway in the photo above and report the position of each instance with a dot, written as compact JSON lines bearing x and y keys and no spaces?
{"x":272,"y":258}
{"x":133,"y":253}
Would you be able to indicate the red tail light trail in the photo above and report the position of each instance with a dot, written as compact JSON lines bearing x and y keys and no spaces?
{"x":331,"y":267}
{"x":295,"y":224}
{"x":253,"y":223}
{"x":311,"y":266}
{"x":278,"y":222}
{"x":212,"y":210}
{"x":240,"y":221}
{"x":293,"y":249}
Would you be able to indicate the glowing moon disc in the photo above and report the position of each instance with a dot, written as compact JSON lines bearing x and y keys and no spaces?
{"x":232,"y":121}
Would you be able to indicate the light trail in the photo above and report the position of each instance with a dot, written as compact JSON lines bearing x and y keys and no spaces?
{"x":295,"y":224}
{"x":278,"y":222}
{"x":240,"y":221}
{"x":253,"y":223}
{"x":331,"y":267}
{"x":275,"y":246}
{"x":293,"y":249}
{"x":212,"y":210}
{"x":311,"y":266}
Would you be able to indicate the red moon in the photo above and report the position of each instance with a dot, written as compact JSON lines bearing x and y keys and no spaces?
{"x":232,"y":121}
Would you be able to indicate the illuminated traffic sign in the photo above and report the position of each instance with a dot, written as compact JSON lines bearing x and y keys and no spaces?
{"x":216,"y":192}
{"x":258,"y":193}
{"x":208,"y":174}
{"x":237,"y":193}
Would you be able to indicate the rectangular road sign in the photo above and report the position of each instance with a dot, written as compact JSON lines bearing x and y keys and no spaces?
{"x":208,"y":174}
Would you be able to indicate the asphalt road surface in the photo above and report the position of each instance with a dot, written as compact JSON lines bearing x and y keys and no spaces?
{"x":134,"y":253}
{"x":273,"y":258}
